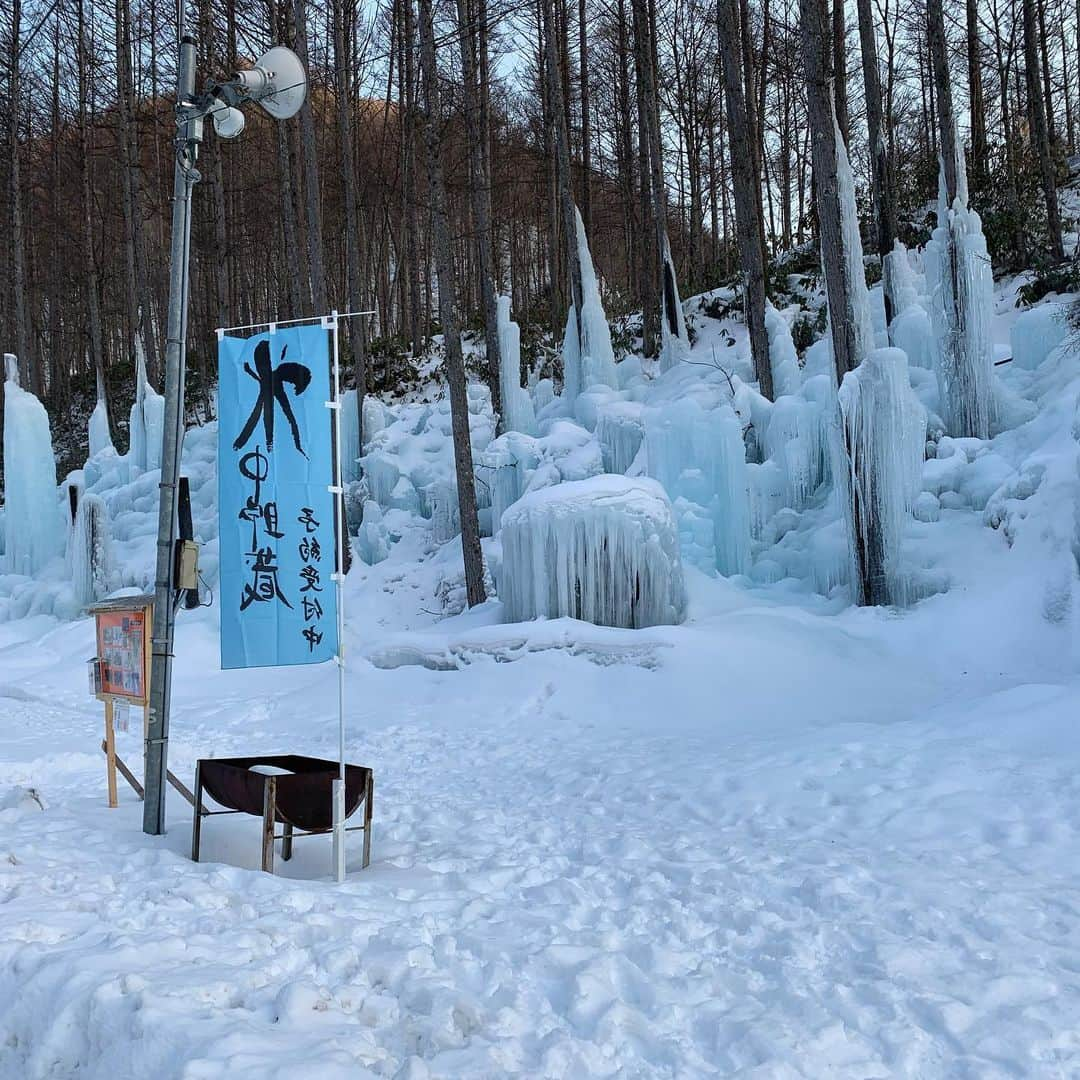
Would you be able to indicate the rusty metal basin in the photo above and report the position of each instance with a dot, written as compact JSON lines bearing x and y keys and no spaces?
{"x":303,"y":793}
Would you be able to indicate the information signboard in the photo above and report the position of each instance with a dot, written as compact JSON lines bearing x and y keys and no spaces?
{"x":121,"y":643}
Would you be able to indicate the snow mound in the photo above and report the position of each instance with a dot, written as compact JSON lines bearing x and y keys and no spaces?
{"x":604,"y":550}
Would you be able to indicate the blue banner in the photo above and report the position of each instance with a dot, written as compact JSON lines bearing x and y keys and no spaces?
{"x":275,"y":515}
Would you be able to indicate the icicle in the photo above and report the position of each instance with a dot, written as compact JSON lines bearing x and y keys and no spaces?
{"x":11,"y":368}
{"x":91,"y":558}
{"x":34,"y":527}
{"x":350,"y":438}
{"x":900,"y":278}
{"x":146,"y":422}
{"x":783,"y":357}
{"x":674,"y":340}
{"x":884,"y":430}
{"x":620,"y":430}
{"x":604,"y":550}
{"x":372,"y":539}
{"x":859,"y":298}
{"x":517,"y":405}
{"x":796,"y":442}
{"x":100,"y":439}
{"x":960,"y":285}
{"x":588,"y":358}
{"x":700,"y":455}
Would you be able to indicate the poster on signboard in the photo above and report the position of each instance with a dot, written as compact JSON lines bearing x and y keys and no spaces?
{"x":121,"y":641}
{"x":275,"y":515}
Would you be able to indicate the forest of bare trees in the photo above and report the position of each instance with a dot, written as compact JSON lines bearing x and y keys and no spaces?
{"x":680,"y":123}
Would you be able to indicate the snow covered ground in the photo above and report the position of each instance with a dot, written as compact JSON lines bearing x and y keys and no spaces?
{"x":787,"y":838}
{"x":767,"y":843}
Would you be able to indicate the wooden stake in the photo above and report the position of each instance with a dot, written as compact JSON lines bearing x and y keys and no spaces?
{"x":269,"y":812}
{"x":110,"y":753}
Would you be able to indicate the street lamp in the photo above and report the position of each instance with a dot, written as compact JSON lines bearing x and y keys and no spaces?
{"x":278,"y":84}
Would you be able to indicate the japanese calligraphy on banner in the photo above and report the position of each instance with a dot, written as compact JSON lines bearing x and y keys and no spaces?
{"x":275,"y":515}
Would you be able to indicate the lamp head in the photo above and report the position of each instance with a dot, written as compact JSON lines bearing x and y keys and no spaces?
{"x":277,"y":82}
{"x":228,"y":122}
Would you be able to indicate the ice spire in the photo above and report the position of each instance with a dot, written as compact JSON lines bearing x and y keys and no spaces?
{"x":588,"y":358}
{"x":33,"y":527}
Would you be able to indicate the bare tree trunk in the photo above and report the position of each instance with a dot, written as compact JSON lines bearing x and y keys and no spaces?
{"x":455,"y":365}
{"x":650,"y":259}
{"x":747,"y":206}
{"x":586,"y":120}
{"x":884,"y":200}
{"x":1048,"y":83}
{"x":754,"y":121}
{"x":311,"y":172}
{"x":848,"y":334}
{"x":839,"y":65}
{"x":946,"y":119}
{"x":567,"y":209}
{"x":417,"y":335}
{"x":481,"y":200}
{"x":31,"y":376}
{"x":976,"y":97}
{"x":93,"y":296}
{"x":644,"y":47}
{"x":1040,"y":130}
{"x":357,"y":327}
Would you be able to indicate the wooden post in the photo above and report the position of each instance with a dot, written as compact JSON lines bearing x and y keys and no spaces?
{"x":110,"y":753}
{"x":196,"y":823}
{"x":269,"y":812}
{"x":286,"y":843}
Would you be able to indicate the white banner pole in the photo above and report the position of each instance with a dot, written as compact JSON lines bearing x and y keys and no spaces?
{"x":337,"y":489}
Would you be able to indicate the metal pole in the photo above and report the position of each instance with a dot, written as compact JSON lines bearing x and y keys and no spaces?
{"x":339,"y":530}
{"x":189,"y":135}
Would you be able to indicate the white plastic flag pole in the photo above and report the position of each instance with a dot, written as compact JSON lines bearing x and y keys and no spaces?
{"x":330,"y":322}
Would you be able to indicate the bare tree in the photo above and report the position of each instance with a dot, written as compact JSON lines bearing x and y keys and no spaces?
{"x":1038,"y":116}
{"x":29,"y":369}
{"x":455,"y":364}
{"x":747,"y":184}
{"x":882,"y":193}
{"x":481,"y":197}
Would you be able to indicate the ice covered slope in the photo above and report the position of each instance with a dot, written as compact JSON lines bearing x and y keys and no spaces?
{"x":605,"y":550}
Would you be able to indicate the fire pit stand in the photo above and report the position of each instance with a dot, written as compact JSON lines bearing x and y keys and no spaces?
{"x":298,"y":797}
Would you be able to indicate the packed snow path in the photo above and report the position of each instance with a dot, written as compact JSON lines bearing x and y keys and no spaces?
{"x":767,"y":844}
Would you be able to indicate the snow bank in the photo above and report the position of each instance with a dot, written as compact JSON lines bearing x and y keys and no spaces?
{"x":604,"y":550}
